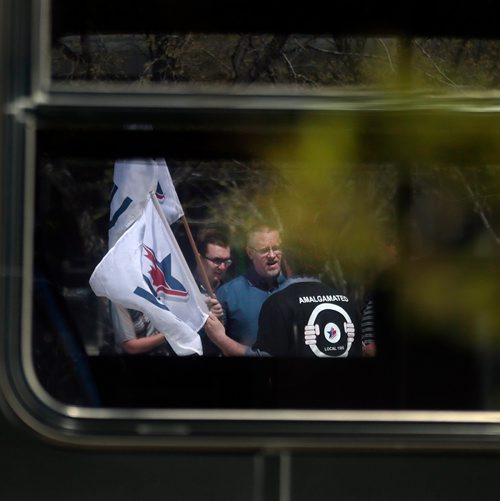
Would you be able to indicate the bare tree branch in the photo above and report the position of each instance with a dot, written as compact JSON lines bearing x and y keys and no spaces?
{"x":239,"y":55}
{"x":271,"y":52}
{"x":290,"y":66}
{"x":350,"y":54}
{"x":478,"y":206}
{"x":384,"y":45}
{"x":440,"y":71}
{"x":219,"y":60}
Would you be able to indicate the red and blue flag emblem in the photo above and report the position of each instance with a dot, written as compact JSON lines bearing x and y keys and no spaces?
{"x":159,"y":276}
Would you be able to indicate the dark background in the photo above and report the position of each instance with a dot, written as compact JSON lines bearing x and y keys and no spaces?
{"x":30,"y":468}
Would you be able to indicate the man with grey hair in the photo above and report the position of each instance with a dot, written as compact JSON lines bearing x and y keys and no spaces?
{"x":304,"y":318}
{"x":242,"y":297}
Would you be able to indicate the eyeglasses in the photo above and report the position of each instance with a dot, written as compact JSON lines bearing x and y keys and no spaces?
{"x":265,"y":251}
{"x":219,"y":261}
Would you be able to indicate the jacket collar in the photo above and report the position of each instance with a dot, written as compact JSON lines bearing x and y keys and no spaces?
{"x":261,"y":283}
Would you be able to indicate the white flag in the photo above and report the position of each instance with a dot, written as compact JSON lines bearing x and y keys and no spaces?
{"x":145,"y":270}
{"x":166,"y":194}
{"x":133,"y":181}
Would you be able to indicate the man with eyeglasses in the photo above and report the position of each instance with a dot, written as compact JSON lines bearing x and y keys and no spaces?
{"x":304,"y":318}
{"x":242,"y":297}
{"x":215,"y":258}
{"x":215,"y":253}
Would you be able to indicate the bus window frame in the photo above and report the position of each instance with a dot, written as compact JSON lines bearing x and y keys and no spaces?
{"x":30,"y":100}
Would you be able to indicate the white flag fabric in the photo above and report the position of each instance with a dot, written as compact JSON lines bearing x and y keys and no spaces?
{"x":145,"y":270}
{"x":133,"y":180}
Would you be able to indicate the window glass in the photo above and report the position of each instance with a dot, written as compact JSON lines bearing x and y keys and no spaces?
{"x":396,"y":201}
{"x":303,"y":61}
{"x":456,"y":64}
{"x":308,"y":61}
{"x":417,"y":239}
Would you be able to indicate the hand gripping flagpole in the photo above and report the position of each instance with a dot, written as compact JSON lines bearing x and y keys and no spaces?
{"x":204,"y":276}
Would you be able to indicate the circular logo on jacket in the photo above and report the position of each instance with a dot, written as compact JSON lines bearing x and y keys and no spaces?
{"x":331,"y":332}
{"x":336,"y":326}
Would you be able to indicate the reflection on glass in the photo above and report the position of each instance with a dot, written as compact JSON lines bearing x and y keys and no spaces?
{"x":456,"y":64}
{"x":417,"y":237}
{"x":298,"y":60}
{"x":303,"y":60}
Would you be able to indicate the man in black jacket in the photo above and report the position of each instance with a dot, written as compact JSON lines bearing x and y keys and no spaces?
{"x":304,"y":318}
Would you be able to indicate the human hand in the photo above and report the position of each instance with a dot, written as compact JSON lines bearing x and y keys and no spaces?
{"x":214,"y":306}
{"x":214,"y":328}
{"x":369,"y":350}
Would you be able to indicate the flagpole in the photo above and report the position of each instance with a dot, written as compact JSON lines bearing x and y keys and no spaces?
{"x":201,"y":268}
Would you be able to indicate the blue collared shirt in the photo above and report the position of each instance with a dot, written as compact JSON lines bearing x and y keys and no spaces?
{"x":241,"y":300}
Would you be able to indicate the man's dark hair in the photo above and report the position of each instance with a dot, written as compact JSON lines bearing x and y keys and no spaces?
{"x":213,"y":236}
{"x":302,"y":260}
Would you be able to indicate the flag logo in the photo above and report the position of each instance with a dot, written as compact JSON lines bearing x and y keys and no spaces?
{"x":159,"y":193}
{"x":325,"y":318}
{"x":332,"y":332}
{"x":144,"y":268}
{"x":159,"y":276}
{"x":133,"y":180}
